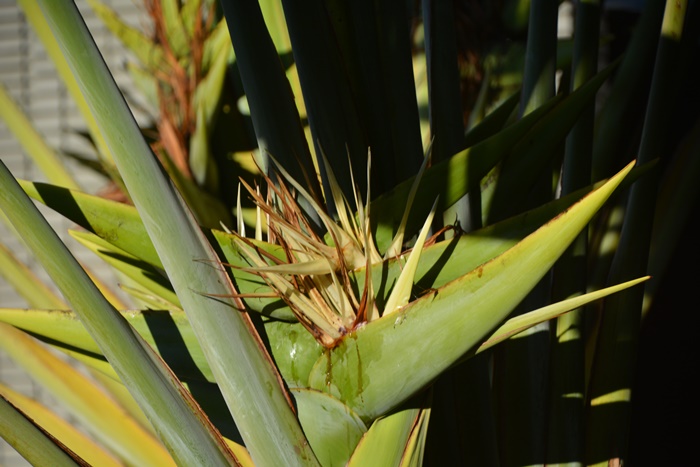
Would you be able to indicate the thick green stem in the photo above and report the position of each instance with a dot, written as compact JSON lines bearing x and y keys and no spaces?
{"x":523,"y":363}
{"x":567,"y":378}
{"x":611,"y":382}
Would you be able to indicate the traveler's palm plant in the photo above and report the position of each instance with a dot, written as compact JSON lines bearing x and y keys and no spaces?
{"x":341,"y":308}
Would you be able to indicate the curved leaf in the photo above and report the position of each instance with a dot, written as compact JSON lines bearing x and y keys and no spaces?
{"x":391,"y":440}
{"x":520,"y":323}
{"x":139,"y":271}
{"x":26,"y":283}
{"x":332,"y":428}
{"x":435,"y":331}
{"x":76,"y":441}
{"x":93,"y":407}
{"x":33,"y":143}
{"x":118,"y":223}
{"x":294,"y":349}
{"x":168,"y":332}
{"x":30,"y":441}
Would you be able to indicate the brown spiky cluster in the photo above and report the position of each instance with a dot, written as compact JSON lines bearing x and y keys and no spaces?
{"x":177,"y":85}
{"x":313,"y":277}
